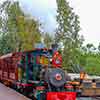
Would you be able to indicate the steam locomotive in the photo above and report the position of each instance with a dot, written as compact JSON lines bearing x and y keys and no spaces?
{"x":34,"y":73}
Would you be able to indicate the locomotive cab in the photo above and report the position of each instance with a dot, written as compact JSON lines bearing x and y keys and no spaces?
{"x":33,"y":62}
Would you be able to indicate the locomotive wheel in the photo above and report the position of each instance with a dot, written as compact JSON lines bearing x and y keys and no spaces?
{"x":43,"y":96}
{"x":24,"y":91}
{"x":21,"y":90}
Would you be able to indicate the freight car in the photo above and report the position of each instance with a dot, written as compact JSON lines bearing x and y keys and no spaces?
{"x":36,"y":73}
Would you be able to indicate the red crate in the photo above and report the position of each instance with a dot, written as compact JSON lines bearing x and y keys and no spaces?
{"x":61,"y":96}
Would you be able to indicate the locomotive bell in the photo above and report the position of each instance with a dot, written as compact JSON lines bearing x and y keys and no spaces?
{"x":57,"y":77}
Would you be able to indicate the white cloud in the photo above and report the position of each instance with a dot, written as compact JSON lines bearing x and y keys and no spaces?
{"x":1,"y":1}
{"x":43,"y":10}
{"x":50,"y":23}
{"x":39,"y":5}
{"x":88,"y":11}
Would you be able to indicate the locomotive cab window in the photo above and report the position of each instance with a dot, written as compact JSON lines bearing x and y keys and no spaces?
{"x":30,"y":66}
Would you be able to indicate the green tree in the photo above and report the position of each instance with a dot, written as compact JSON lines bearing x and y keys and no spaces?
{"x":99,"y":47}
{"x":90,"y":47}
{"x":4,"y":44}
{"x":48,"y":39}
{"x":67,"y":33}
{"x":22,"y":30}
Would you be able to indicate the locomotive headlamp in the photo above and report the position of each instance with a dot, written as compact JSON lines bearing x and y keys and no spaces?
{"x":57,"y":60}
{"x":58,"y":77}
{"x":50,"y":59}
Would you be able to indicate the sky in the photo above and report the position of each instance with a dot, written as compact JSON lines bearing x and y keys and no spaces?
{"x":44,"y":10}
{"x":88,"y":11}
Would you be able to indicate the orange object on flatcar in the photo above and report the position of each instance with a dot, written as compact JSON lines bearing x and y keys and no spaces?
{"x":74,"y":83}
{"x":82,"y":75}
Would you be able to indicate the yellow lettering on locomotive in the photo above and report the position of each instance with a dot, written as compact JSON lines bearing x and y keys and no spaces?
{"x":44,"y":60}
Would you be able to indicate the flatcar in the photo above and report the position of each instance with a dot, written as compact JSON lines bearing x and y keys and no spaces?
{"x":37,"y":73}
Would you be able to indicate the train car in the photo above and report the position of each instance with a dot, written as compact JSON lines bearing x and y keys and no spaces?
{"x":37,"y":73}
{"x":8,"y":67}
